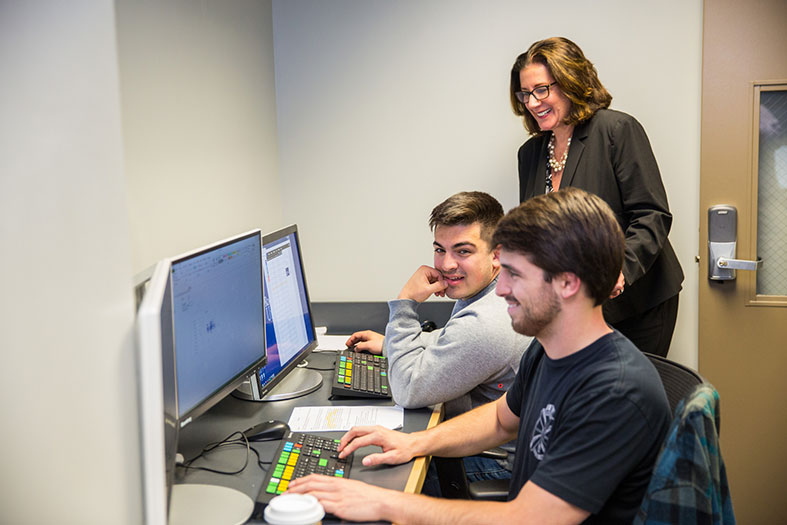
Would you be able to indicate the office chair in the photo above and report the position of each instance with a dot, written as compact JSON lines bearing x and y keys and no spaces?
{"x":679,"y":382}
{"x":689,"y":481}
{"x":454,"y":484}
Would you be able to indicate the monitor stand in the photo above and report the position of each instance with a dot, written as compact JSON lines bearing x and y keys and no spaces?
{"x":298,"y":382}
{"x":198,"y":504}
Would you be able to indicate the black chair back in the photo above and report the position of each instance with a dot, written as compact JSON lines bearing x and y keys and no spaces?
{"x":678,"y":380}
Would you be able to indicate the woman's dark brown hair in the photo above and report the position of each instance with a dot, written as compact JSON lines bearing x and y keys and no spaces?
{"x":575,"y":75}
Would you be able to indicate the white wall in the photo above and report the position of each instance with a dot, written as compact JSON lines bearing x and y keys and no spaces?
{"x":386,"y":108}
{"x":68,"y":451}
{"x":199,"y":122}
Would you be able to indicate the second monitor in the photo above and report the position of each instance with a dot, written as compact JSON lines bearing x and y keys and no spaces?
{"x":289,"y":328}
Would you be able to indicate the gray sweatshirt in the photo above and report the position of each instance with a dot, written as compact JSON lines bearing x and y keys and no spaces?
{"x":469,"y":362}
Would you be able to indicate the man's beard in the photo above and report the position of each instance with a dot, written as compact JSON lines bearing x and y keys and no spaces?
{"x":536,"y":318}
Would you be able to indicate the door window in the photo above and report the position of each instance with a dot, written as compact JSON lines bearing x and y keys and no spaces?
{"x":771,"y":169}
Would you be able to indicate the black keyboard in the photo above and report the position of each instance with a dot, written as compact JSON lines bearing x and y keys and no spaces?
{"x":300,"y":455}
{"x":359,"y":374}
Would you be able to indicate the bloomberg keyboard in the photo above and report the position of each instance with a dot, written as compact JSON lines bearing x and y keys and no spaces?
{"x":300,"y":455}
{"x":358,"y":374}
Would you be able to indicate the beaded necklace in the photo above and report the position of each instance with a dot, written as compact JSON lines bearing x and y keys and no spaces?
{"x":554,"y":165}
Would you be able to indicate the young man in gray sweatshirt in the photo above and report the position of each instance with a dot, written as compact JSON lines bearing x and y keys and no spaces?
{"x":473,"y":359}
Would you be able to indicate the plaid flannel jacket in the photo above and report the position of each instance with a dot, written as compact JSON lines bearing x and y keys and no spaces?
{"x":689,"y":481}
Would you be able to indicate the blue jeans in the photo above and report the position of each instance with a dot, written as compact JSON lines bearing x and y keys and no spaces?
{"x":477,"y":468}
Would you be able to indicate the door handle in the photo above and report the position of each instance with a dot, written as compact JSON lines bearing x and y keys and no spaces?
{"x":722,"y":240}
{"x":738,"y":264}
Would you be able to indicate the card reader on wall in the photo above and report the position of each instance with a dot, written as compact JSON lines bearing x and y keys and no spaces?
{"x":722,"y":240}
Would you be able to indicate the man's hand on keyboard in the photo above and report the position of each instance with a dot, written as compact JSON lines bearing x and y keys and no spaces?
{"x":366,"y":341}
{"x":398,"y":447}
{"x":346,"y":498}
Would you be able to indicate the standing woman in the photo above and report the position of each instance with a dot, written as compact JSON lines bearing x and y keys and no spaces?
{"x":577,"y":141}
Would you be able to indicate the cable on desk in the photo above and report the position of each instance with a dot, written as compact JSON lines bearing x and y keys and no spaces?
{"x":321,"y":369}
{"x":264,"y":465}
{"x":224,"y":442}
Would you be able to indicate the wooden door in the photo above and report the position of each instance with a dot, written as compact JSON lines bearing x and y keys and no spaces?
{"x":743,"y":322}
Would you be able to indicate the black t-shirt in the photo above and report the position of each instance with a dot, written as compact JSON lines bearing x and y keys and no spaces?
{"x":591,"y":425}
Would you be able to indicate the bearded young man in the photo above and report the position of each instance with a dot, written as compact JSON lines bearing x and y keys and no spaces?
{"x":587,"y":408}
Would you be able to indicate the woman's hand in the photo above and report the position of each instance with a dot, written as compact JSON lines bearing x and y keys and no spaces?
{"x":618,"y":289}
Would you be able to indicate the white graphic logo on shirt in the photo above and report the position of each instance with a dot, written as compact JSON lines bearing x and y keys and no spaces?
{"x":538,"y":443}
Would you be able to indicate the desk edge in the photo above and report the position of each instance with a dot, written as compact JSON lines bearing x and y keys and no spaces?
{"x":421,"y":464}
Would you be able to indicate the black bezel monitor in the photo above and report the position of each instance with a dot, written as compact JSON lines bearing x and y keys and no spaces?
{"x":289,"y":327}
{"x":217,"y":294}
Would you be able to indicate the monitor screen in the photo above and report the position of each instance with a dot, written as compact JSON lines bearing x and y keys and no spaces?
{"x":289,"y":329}
{"x":157,"y":393}
{"x":218,"y":319}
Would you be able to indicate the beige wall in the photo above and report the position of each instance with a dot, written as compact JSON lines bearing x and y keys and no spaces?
{"x":199,"y":123}
{"x":68,"y":451}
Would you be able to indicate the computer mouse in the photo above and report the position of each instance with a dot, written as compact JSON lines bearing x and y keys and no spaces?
{"x":267,"y":431}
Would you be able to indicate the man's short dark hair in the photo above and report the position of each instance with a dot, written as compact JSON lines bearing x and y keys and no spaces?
{"x":466,"y":208}
{"x":567,"y":231}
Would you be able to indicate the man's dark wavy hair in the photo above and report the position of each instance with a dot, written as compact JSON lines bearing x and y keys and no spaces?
{"x":567,"y":231}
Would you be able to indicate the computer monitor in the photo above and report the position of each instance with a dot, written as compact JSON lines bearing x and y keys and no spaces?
{"x":289,"y":328}
{"x":218,"y":318}
{"x":140,"y":284}
{"x":157,"y":394}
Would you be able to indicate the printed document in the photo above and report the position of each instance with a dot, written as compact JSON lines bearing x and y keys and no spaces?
{"x":326,"y":419}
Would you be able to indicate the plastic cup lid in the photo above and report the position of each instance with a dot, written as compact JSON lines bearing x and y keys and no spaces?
{"x":294,"y":509}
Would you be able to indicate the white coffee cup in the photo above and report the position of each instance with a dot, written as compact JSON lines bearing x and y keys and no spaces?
{"x":294,"y":509}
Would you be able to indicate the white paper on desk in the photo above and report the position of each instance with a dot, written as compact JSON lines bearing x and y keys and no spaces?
{"x":331,"y":342}
{"x":325,"y":419}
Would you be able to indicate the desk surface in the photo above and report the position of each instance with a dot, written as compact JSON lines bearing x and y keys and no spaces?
{"x":232,"y":414}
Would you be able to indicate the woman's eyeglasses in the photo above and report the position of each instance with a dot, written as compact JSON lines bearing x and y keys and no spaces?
{"x":540,"y":93}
